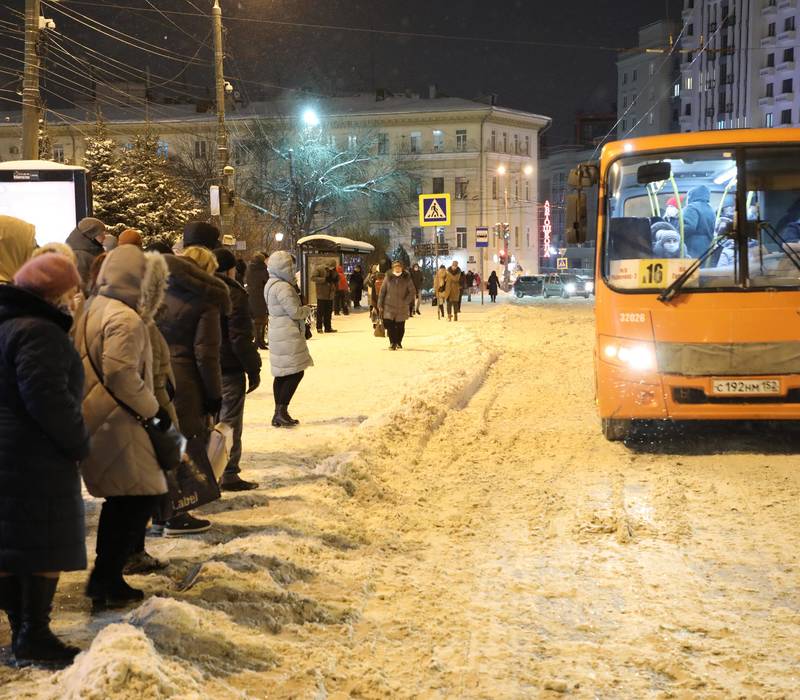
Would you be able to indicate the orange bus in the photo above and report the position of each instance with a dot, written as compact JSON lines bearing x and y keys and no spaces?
{"x":698,"y":276}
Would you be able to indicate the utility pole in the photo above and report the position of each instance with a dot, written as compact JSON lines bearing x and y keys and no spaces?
{"x":225,"y":170}
{"x":30,"y":84}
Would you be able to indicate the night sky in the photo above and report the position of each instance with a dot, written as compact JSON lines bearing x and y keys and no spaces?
{"x":556,"y":81}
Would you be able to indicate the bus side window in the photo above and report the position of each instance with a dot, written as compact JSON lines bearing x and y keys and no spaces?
{"x":629,"y":238}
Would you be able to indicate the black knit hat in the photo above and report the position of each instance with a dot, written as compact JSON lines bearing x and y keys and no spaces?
{"x":225,"y":259}
{"x":202,"y":234}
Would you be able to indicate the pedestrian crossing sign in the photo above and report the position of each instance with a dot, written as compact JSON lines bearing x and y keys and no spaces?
{"x":434,"y":210}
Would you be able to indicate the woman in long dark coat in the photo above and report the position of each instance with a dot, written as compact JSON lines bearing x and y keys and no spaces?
{"x":492,"y":284}
{"x":42,"y":439}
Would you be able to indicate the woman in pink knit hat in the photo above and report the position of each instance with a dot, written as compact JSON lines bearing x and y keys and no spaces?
{"x":42,"y":439}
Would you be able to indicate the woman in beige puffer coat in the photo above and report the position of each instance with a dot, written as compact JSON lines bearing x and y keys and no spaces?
{"x":122,"y":467}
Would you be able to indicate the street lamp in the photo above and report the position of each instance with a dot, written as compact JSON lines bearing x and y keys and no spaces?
{"x":310,"y":118}
{"x":528,"y":170}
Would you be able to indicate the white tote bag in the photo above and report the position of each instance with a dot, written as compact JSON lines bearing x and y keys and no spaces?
{"x":219,"y":448}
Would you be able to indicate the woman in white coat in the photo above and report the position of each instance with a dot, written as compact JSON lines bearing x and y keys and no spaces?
{"x":288,"y":350}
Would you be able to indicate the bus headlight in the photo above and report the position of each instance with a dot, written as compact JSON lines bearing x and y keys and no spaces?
{"x":640,"y":357}
{"x":570,"y":288}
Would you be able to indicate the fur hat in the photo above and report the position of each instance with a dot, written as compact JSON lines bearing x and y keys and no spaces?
{"x":259,"y":258}
{"x":202,"y":234}
{"x":662,"y":231}
{"x":160,"y":246}
{"x":130,"y":236}
{"x":48,"y":276}
{"x":91,"y":227}
{"x":225,"y":259}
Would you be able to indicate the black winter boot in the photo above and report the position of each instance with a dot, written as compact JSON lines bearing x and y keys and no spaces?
{"x":35,"y":643}
{"x":281,"y":418}
{"x":10,"y":601}
{"x":286,"y":415}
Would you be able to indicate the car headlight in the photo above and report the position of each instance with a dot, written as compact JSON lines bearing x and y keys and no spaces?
{"x":570,"y":288}
{"x":640,"y":357}
{"x":589,"y":286}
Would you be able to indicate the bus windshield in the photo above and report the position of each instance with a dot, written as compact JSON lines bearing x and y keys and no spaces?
{"x":656,"y":230}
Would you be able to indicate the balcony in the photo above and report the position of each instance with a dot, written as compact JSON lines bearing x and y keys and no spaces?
{"x":785,"y":97}
{"x":766,"y":101}
{"x":767,"y":71}
{"x":788,"y":35}
{"x":786,"y":67}
{"x":768,"y":42}
{"x":784,"y":4}
{"x":769,"y":10}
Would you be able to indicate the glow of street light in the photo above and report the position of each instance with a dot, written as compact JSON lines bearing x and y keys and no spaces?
{"x":528,"y":170}
{"x":310,"y":118}
{"x":501,"y":169}
{"x":279,"y":237}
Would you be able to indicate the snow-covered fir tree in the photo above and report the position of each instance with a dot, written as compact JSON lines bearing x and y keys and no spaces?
{"x":45,"y":144}
{"x":109,"y":184}
{"x":400,"y":253}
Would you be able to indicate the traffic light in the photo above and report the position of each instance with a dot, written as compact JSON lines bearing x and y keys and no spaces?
{"x":501,"y":256}
{"x":506,"y":230}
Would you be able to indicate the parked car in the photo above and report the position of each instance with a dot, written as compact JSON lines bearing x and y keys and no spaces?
{"x":528,"y":286}
{"x":566,"y":285}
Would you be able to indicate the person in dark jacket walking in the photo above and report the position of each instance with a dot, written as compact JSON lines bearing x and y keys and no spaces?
{"x":326,"y":281}
{"x":86,"y":242}
{"x":394,"y":302}
{"x":341,"y":300}
{"x":698,"y":221}
{"x":191,"y":324}
{"x":241,"y":367}
{"x":416,"y":278}
{"x":492,"y":285}
{"x":356,"y":286}
{"x":469,"y":281}
{"x":42,"y":439}
{"x":255,"y":280}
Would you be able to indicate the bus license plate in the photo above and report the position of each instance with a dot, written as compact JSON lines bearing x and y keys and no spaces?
{"x":747,"y":387}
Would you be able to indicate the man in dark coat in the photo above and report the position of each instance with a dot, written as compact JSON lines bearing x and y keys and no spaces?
{"x":255,"y":280}
{"x":326,"y":281}
{"x":356,"y":286}
{"x":416,"y":278}
{"x":42,"y":439}
{"x":698,"y":221}
{"x":469,"y":280}
{"x":239,"y":358}
{"x":86,"y":242}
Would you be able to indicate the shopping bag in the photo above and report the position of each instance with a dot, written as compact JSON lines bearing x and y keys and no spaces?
{"x":193,"y":483}
{"x":219,"y":448}
{"x":380,"y":330}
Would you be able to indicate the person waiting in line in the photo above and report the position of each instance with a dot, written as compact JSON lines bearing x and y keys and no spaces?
{"x":42,"y":439}
{"x":17,"y":243}
{"x":326,"y":281}
{"x":395,"y":302}
{"x":255,"y":280}
{"x":698,"y":221}
{"x":356,"y":286}
{"x":469,"y":281}
{"x":288,"y":353}
{"x":86,"y":240}
{"x":341,"y":301}
{"x":492,"y":285}
{"x":416,"y":278}
{"x":241,"y":367}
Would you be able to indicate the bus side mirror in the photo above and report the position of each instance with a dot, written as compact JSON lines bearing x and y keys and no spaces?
{"x":576,"y":218}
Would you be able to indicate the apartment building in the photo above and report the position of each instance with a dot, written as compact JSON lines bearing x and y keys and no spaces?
{"x":484,"y":155}
{"x":738,"y":66}
{"x":646,"y":79}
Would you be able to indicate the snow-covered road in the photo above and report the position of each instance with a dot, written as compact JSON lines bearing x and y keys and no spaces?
{"x":448,"y":522}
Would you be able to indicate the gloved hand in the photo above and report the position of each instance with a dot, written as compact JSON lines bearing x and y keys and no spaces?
{"x":162,"y":419}
{"x":253,"y":382}
{"x":213,"y":406}
{"x":307,"y":311}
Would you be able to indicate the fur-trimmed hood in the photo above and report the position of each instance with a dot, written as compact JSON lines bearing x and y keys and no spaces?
{"x":185,"y":273}
{"x":154,"y":285}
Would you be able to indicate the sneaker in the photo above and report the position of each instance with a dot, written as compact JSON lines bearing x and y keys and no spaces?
{"x":233,"y":482}
{"x":143,"y":563}
{"x":330,"y":330}
{"x":185,"y":524}
{"x":156,"y":529}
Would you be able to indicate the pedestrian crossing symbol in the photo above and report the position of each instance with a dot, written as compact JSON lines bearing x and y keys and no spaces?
{"x":434,"y":210}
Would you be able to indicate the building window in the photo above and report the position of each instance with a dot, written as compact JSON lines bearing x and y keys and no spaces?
{"x":769,"y":120}
{"x":352,"y":142}
{"x":689,"y":82}
{"x":494,"y":141}
{"x":505,"y":142}
{"x":438,"y":185}
{"x":788,"y":24}
{"x":652,"y":69}
{"x":441,"y":235}
{"x":527,"y":190}
{"x":13,"y":150}
{"x":676,"y":91}
{"x":771,"y":29}
{"x":58,"y":153}
{"x":624,"y":124}
{"x":721,"y":124}
{"x":624,"y":101}
{"x":416,"y":235}
{"x":200,"y":149}
{"x":461,"y":140}
{"x":770,"y":60}
{"x":438,"y":141}
{"x":240,"y":153}
{"x":162,"y":149}
{"x":516,"y":189}
{"x":527,"y":145}
{"x":461,"y":237}
{"x":416,"y":142}
{"x":494,"y":187}
{"x":516,"y":237}
{"x":651,"y":118}
{"x":528,"y":237}
{"x":690,"y":30}
{"x":516,"y":144}
{"x":624,"y":78}
{"x":687,"y":110}
{"x":383,"y":144}
{"x":770,"y":90}
{"x":788,"y":55}
{"x":635,"y":75}
{"x":786,"y":116}
{"x":462,"y":186}
{"x":786,"y":86}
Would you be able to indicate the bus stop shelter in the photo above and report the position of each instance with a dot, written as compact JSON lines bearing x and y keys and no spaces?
{"x":321,"y":250}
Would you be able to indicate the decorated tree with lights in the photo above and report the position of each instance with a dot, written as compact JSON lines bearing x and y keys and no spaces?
{"x":45,"y":144}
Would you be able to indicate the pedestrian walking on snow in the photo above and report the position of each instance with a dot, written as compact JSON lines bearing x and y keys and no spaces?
{"x":492,"y":285}
{"x":470,"y":283}
{"x":255,"y":281}
{"x":288,"y":353}
{"x":439,"y":289}
{"x":454,"y":288}
{"x":241,"y":367}
{"x":416,"y":278}
{"x":394,"y":303}
{"x":122,"y":466}
{"x":42,"y":439}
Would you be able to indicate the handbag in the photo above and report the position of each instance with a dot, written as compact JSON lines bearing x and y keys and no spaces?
{"x":193,"y":483}
{"x":380,"y":329}
{"x":309,"y":334}
{"x":219,"y":448}
{"x":169,"y":444}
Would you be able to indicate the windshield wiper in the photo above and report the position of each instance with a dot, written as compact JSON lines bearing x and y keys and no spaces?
{"x":791,"y":253}
{"x":674,"y":289}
